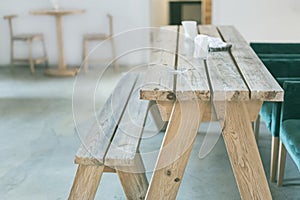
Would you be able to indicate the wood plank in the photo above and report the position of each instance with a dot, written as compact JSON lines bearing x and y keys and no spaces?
{"x":158,"y":84}
{"x":97,"y":141}
{"x":230,"y":34}
{"x":191,"y":82}
{"x":243,"y":153}
{"x":175,"y":150}
{"x":123,"y":148}
{"x":86,"y":182}
{"x":133,"y":179}
{"x":225,"y":79}
{"x":261,"y":83}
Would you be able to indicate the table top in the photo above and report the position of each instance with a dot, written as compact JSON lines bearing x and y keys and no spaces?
{"x":232,"y":75}
{"x":60,"y":11}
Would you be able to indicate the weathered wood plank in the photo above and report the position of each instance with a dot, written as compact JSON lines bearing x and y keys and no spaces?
{"x":94,"y":147}
{"x":175,"y":150}
{"x":125,"y":143}
{"x":160,"y":75}
{"x":259,"y":80}
{"x":133,"y":179}
{"x":191,"y":82}
{"x":230,"y":34}
{"x":243,"y":153}
{"x":225,"y":79}
{"x":86,"y":182}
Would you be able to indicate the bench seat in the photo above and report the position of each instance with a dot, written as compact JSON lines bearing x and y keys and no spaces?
{"x":112,"y":143}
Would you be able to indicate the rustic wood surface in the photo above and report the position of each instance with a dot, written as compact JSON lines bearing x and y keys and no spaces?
{"x":243,"y":153}
{"x":175,"y":150}
{"x":224,"y":76}
{"x":234,"y":75}
{"x":94,"y":146}
{"x":133,"y":179}
{"x":127,"y":138}
{"x":86,"y":182}
{"x":160,"y":77}
{"x":236,"y":92}
{"x":191,"y":79}
{"x":260,"y":82}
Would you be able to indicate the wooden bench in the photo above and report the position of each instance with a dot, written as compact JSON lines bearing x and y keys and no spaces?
{"x":112,"y":144}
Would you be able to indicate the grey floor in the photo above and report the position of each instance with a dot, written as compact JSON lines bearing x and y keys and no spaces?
{"x":38,"y":144}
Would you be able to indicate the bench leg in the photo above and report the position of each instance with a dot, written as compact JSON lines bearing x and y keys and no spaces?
{"x":86,"y":182}
{"x":134,"y":180}
{"x":175,"y":151}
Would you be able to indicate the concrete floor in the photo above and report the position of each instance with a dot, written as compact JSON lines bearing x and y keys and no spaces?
{"x":38,"y":144}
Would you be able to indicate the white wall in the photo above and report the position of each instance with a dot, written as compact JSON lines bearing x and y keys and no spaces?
{"x":261,"y":20}
{"x":127,"y":15}
{"x":257,"y":20}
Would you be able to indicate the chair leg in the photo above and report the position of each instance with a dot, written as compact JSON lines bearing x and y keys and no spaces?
{"x":45,"y":53}
{"x":281,"y":164}
{"x":12,"y":53}
{"x":31,"y":61}
{"x":274,"y":158}
{"x":86,"y":182}
{"x":114,"y":53}
{"x":84,"y":55}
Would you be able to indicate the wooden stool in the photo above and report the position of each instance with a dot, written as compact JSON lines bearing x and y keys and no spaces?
{"x":29,"y":39}
{"x":109,"y":148}
{"x":99,"y":37}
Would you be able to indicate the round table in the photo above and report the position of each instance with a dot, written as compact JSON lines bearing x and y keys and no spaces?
{"x":62,"y":69}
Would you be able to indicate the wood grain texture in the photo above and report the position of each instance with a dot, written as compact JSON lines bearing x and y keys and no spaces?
{"x":165,"y":109}
{"x":86,"y":182}
{"x":191,"y":79}
{"x":123,"y":148}
{"x":97,"y":141}
{"x":225,"y":79}
{"x":259,"y":80}
{"x":243,"y":153}
{"x":158,"y":84}
{"x":175,"y":150}
{"x":133,"y":179}
{"x":230,"y":34}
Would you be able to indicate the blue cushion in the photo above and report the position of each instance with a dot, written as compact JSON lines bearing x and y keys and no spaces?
{"x":290,"y":137}
{"x":266,"y":113}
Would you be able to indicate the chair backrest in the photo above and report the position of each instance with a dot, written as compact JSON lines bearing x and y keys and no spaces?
{"x":291,"y":104}
{"x":111,"y":29}
{"x":9,"y":18}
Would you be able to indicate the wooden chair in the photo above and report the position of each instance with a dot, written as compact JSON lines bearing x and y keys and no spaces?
{"x":29,"y":39}
{"x":99,"y":37}
{"x":289,"y":127}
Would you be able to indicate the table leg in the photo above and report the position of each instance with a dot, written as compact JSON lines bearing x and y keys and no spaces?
{"x":60,"y":43}
{"x":175,"y":151}
{"x":62,"y":68}
{"x":243,"y":153}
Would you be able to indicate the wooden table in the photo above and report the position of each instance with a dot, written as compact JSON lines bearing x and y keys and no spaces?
{"x":229,"y":87}
{"x":62,"y":69}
